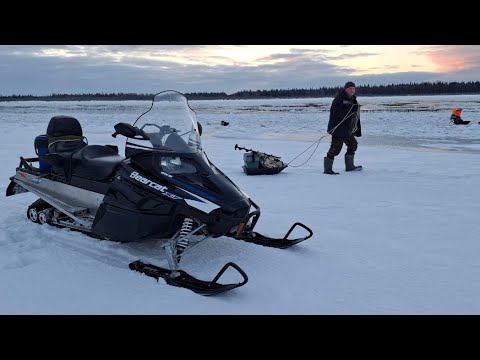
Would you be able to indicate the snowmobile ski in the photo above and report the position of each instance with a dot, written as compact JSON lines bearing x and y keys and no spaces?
{"x":284,"y":243}
{"x":181,"y":278}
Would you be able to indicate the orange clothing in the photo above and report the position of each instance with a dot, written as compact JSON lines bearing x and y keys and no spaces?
{"x":457,"y":112}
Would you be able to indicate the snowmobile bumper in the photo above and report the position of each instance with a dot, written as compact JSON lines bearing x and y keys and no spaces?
{"x":14,"y":188}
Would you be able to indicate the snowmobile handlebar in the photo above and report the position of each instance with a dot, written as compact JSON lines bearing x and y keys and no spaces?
{"x":129,"y":131}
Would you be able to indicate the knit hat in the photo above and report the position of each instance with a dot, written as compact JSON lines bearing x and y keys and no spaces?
{"x":349,"y":84}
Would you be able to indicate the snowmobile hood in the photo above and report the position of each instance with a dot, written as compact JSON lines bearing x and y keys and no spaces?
{"x":170,"y":149}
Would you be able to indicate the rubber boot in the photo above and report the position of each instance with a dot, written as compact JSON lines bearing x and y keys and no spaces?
{"x":327,"y":166}
{"x":349,"y":163}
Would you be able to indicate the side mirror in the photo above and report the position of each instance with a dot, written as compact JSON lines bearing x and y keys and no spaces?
{"x":129,"y":131}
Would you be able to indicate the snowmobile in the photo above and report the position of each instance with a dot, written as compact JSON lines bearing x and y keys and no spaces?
{"x":164,"y":188}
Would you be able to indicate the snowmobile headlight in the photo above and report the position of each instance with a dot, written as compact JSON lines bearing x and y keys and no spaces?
{"x":171,"y":161}
{"x":174,"y":165}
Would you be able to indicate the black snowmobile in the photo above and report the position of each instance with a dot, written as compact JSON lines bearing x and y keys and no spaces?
{"x":164,"y":188}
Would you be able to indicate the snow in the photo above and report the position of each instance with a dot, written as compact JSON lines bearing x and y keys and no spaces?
{"x":399,"y":237}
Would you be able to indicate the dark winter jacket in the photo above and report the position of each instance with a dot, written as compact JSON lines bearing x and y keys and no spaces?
{"x":341,"y":106}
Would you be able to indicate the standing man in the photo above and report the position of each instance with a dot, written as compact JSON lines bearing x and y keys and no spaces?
{"x":344,"y":125}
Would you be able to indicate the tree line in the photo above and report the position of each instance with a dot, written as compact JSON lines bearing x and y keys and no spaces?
{"x":424,"y":88}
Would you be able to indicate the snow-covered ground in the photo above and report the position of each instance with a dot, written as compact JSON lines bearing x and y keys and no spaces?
{"x":400,"y":237}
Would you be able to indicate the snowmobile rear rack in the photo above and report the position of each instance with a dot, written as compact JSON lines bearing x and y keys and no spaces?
{"x":181,"y":278}
{"x":25,"y":163}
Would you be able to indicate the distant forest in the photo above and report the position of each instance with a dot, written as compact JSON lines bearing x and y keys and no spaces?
{"x":424,"y":88}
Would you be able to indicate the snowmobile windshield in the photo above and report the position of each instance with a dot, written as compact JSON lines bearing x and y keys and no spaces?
{"x":170,"y":125}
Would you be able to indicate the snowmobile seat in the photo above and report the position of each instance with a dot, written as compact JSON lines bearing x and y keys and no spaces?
{"x":65,"y":136}
{"x":95,"y":162}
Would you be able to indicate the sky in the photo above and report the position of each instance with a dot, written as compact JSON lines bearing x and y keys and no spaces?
{"x":398,"y":237}
{"x":72,"y":69}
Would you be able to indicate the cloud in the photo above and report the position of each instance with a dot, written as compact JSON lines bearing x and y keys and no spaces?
{"x":397,"y":78}
{"x":42,"y":70}
{"x":34,"y":71}
{"x":349,"y":56}
{"x":319,"y":55}
{"x":453,"y":58}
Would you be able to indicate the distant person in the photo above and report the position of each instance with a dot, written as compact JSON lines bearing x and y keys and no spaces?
{"x":457,"y":119}
{"x":344,"y":125}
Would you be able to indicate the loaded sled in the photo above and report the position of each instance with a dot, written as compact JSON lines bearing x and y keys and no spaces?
{"x":260,"y":163}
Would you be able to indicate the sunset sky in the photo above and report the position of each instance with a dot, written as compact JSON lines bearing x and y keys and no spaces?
{"x":43,"y":69}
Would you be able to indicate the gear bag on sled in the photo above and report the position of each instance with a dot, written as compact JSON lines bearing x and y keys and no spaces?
{"x":260,"y":163}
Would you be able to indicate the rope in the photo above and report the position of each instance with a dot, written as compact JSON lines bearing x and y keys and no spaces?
{"x":321,"y":137}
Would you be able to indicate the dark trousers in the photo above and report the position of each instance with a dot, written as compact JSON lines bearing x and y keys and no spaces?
{"x":337,"y":143}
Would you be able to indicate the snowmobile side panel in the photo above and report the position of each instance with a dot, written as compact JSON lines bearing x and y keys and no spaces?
{"x":90,"y":185}
{"x":125,"y":225}
{"x":57,"y":193}
{"x":129,"y":213}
